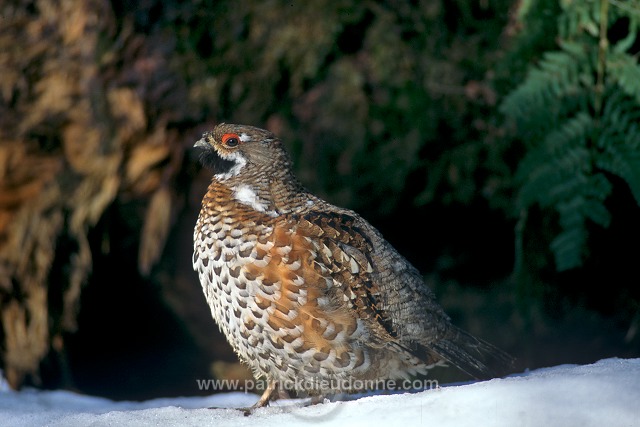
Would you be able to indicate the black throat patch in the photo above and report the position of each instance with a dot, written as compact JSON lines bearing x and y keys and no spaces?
{"x":211,"y":160}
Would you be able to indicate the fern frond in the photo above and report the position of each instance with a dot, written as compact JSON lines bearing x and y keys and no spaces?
{"x":568,"y":246}
{"x":623,"y":161}
{"x":629,"y":8}
{"x":551,"y":92}
{"x":578,"y":17}
{"x":548,"y":171}
{"x":578,"y":113}
{"x":625,"y":71}
{"x":586,"y":201}
{"x":618,"y":143}
{"x":620,"y":121}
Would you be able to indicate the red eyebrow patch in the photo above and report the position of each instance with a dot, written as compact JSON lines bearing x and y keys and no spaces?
{"x":227,"y":136}
{"x":231,"y":139}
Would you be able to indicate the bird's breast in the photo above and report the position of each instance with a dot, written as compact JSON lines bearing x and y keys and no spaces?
{"x":272,"y":297}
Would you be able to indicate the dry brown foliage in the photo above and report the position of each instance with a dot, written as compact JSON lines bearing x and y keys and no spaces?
{"x":84,"y":119}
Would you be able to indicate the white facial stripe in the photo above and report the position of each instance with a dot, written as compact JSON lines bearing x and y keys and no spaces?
{"x":244,"y":137}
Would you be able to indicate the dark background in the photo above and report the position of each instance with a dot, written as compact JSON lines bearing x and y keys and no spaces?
{"x":391,"y":108}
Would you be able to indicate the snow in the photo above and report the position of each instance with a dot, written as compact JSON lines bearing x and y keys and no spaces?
{"x":604,"y":393}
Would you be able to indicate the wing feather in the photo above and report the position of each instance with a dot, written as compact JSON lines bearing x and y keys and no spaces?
{"x":390,"y":294}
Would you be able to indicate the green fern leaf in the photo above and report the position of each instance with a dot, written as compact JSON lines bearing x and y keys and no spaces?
{"x":623,"y":161}
{"x":557,"y":166}
{"x":579,"y":117}
{"x":625,"y":71}
{"x":585,"y":202}
{"x":567,"y":248}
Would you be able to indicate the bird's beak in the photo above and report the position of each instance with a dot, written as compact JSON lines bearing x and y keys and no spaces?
{"x":201,"y":143}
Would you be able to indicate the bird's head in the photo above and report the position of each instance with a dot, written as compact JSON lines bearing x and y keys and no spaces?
{"x":231,"y":150}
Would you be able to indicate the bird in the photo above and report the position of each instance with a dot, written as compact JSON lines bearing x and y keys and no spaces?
{"x":308,"y":293}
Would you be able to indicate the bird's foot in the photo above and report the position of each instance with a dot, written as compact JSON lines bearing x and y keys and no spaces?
{"x":263,"y":401}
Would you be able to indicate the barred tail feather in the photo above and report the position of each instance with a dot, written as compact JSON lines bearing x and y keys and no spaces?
{"x":472,"y":355}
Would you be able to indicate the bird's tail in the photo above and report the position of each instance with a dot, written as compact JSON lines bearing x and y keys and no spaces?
{"x":472,"y":355}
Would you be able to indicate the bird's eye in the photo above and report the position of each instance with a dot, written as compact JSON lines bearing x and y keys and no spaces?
{"x":230,"y":139}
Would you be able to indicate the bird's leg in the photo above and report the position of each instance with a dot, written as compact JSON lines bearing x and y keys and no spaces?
{"x":268,"y":392}
{"x":264,"y":399}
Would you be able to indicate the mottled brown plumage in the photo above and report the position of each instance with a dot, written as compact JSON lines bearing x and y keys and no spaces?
{"x":304,"y":290}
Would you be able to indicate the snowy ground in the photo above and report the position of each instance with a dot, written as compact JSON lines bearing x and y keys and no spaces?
{"x":606,"y":393}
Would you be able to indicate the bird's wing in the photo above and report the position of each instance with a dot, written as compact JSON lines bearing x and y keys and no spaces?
{"x":389,"y":293}
{"x":348,"y":252}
